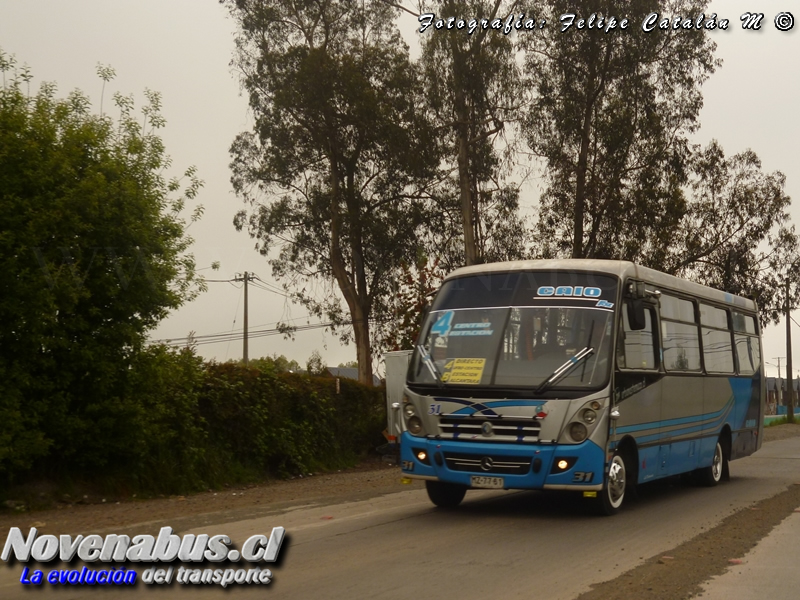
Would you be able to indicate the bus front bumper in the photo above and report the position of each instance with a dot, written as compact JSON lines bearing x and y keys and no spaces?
{"x":578,"y":467}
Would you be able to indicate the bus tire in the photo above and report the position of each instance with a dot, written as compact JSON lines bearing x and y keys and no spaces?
{"x":613,"y":494}
{"x":712,"y":475}
{"x":445,"y":495}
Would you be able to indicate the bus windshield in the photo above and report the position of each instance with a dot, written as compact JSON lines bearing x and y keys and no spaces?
{"x":528,"y":338}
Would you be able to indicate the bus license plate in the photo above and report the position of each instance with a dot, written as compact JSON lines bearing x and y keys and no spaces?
{"x":481,"y":481}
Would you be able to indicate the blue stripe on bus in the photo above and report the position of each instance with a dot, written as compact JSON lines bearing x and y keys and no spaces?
{"x":468,"y":405}
{"x":476,"y":407}
{"x":741,"y":389}
{"x":681,"y":421}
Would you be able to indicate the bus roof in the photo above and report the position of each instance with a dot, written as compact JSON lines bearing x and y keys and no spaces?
{"x":620,"y":268}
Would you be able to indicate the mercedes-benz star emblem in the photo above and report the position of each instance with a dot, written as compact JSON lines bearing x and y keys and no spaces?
{"x":486,"y":428}
{"x":487,"y":463}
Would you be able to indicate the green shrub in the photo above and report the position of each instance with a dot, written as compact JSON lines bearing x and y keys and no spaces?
{"x":179,"y":424}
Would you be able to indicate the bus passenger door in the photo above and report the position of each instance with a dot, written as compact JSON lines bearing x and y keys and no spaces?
{"x":681,"y":415}
{"x":682,"y":404}
{"x":638,"y":392}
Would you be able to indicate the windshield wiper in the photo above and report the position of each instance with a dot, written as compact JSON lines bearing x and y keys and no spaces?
{"x":426,"y":358}
{"x":564,"y":369}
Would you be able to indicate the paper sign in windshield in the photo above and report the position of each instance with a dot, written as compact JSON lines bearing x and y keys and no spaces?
{"x":464,"y":371}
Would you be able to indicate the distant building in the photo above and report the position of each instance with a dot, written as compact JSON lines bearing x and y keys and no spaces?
{"x":777,"y":396}
{"x":351,"y":373}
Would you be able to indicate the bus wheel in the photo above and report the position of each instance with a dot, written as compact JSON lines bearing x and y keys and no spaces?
{"x":445,"y":495}
{"x":613,"y":494}
{"x":711,"y":476}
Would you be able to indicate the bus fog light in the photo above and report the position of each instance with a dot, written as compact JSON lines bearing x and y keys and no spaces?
{"x":422,"y":456}
{"x":415,"y":425}
{"x":589,"y":416}
{"x":563,"y":464}
{"x":578,"y":432}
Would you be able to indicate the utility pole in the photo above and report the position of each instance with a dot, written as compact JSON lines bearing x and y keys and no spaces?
{"x":247,"y":277}
{"x":789,"y":387}
{"x":778,"y":382}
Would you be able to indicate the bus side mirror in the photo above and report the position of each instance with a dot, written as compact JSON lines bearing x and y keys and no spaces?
{"x":636,"y":318}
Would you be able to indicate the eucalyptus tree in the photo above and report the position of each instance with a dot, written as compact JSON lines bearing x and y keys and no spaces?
{"x":473,"y":86}
{"x":735,"y":233}
{"x":611,"y":117}
{"x":612,"y":114}
{"x":335,"y":169}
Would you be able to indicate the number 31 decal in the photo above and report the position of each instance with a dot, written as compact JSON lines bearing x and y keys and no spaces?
{"x":435,"y":409}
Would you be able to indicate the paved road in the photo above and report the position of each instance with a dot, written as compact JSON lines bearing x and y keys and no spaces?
{"x":497,"y":544}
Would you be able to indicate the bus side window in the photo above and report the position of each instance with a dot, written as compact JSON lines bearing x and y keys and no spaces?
{"x":636,"y":349}
{"x":716,"y":339}
{"x":680,"y":340}
{"x":746,"y":343}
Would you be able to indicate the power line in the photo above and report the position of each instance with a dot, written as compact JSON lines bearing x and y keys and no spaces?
{"x":239,"y":330}
{"x":271,"y":285}
{"x":266,"y":289}
{"x":202,"y":340}
{"x":245,"y":279}
{"x":245,"y":334}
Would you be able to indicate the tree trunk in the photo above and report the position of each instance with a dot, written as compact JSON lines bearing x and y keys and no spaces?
{"x":363,"y":351}
{"x":357,"y":303}
{"x":592,"y":94}
{"x":462,"y":119}
{"x":580,"y":179}
{"x":465,"y":188}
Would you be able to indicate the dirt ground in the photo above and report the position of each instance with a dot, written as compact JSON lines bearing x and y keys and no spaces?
{"x":372,"y":478}
{"x":696,"y":561}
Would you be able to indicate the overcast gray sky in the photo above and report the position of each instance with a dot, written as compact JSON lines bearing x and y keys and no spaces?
{"x":182,"y":49}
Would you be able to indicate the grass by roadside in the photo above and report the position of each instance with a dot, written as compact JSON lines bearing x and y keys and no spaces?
{"x":780,"y":421}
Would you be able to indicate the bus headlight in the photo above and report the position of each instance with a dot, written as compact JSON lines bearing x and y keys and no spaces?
{"x":409,"y":410}
{"x":578,"y":432}
{"x":414,"y":425}
{"x":589,"y":416}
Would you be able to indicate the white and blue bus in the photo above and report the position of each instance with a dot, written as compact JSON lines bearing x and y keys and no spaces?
{"x":584,"y":375}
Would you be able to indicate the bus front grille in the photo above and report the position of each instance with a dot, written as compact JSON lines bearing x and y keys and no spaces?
{"x":494,"y":465}
{"x":502,"y":429}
